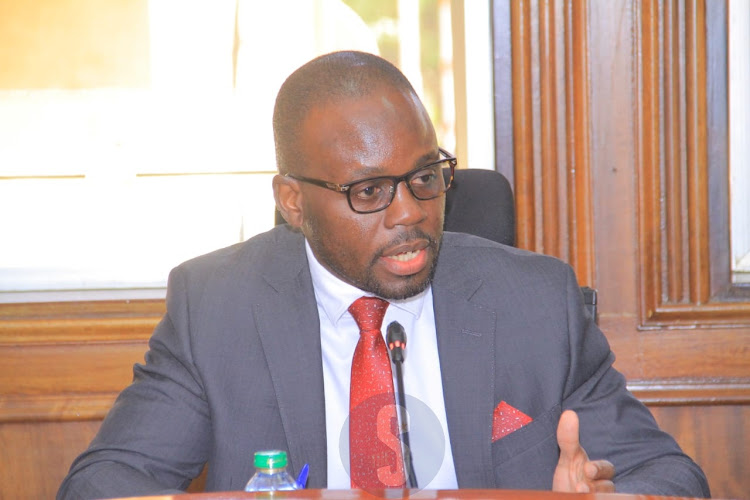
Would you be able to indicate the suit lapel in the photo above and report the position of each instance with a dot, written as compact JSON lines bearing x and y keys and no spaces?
{"x":466,"y":346}
{"x":289,"y":329}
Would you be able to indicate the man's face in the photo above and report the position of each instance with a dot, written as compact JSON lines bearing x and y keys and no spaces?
{"x":391,"y":253}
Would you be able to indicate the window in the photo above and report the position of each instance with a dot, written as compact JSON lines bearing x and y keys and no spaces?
{"x":135,"y":135}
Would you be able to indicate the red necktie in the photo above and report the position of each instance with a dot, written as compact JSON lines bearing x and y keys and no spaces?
{"x":374,"y":446}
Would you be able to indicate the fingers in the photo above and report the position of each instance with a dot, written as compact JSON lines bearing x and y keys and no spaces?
{"x":603,"y":486}
{"x":567,"y":435}
{"x":569,"y":472}
{"x":599,"y":470}
{"x":598,"y":476}
{"x":574,"y":471}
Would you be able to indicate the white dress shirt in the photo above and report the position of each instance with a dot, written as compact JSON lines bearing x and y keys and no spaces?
{"x":428,"y":434}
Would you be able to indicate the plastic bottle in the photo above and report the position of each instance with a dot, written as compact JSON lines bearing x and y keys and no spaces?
{"x":270,"y":473}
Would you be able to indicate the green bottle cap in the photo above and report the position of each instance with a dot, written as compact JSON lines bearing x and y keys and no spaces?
{"x":273,"y":459}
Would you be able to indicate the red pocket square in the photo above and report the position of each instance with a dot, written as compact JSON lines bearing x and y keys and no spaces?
{"x":507,"y":419}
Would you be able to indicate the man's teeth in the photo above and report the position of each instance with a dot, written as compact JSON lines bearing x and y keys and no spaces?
{"x":403,"y":257}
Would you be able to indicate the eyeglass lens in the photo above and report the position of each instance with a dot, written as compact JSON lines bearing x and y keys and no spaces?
{"x":376,"y":194}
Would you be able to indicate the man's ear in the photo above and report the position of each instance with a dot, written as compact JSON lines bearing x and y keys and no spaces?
{"x":288,"y":198}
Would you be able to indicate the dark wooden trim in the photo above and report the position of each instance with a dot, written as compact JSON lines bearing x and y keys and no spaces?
{"x":580,"y":208}
{"x":673,"y":352}
{"x":691,"y":392}
{"x":735,"y":314}
{"x":673,"y":152}
{"x":523,"y":123}
{"x":684,"y":261}
{"x":55,"y":408}
{"x":551,"y":125}
{"x":697,"y":160}
{"x":56,"y":322}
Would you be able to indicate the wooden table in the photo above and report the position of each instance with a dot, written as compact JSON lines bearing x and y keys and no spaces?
{"x":416,"y":494}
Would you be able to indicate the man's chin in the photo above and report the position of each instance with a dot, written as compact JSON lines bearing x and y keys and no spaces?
{"x":402,"y":287}
{"x":405,"y":293}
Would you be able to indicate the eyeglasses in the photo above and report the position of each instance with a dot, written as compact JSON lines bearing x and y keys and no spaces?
{"x":375,"y":194}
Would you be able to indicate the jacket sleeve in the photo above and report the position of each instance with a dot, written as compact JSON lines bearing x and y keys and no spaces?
{"x":614,"y":425}
{"x":155,"y":438}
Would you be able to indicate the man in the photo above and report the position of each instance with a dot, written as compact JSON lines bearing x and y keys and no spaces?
{"x":256,"y":348}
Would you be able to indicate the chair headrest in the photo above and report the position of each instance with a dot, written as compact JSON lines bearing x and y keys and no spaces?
{"x":480,"y":202}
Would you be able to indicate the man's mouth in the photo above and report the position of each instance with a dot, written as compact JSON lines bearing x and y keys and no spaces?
{"x":405,"y":256}
{"x":406,"y":263}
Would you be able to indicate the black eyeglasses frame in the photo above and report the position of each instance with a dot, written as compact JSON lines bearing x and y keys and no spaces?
{"x":396,"y":180}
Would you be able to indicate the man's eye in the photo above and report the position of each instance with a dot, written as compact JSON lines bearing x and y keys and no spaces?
{"x":424,"y":177}
{"x":367,"y":191}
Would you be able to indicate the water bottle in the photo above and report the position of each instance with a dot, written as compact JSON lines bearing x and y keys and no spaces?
{"x":270,"y":473}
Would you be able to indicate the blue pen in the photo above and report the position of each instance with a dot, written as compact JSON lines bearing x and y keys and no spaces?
{"x":302,"y":478}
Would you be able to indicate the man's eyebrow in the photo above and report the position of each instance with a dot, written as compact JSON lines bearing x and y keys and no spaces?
{"x":374,"y":171}
{"x":427,"y":158}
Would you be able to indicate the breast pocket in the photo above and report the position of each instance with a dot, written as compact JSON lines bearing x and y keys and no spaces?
{"x":526,"y":458}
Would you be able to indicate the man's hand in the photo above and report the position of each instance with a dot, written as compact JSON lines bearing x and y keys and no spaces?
{"x":575,"y":472}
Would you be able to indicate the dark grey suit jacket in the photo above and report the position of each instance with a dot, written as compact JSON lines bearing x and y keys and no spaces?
{"x":235,"y":367}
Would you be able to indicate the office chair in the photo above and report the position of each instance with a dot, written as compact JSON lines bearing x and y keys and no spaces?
{"x":480,"y":202}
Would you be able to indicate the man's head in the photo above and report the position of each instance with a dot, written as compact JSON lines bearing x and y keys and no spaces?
{"x":341,"y":118}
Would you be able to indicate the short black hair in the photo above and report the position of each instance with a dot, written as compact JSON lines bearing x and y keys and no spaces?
{"x":330,"y":77}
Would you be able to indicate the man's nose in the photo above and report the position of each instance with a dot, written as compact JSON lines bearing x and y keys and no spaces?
{"x":405,"y":209}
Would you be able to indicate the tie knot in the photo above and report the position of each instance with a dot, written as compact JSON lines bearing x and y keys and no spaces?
{"x":368,"y":312}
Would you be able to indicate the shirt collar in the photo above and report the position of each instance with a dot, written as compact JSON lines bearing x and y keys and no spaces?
{"x":334,"y":296}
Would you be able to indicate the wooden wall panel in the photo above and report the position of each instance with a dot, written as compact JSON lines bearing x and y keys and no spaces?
{"x":68,"y":361}
{"x":705,"y":433}
{"x":63,"y":366}
{"x":551,"y":177}
{"x":37,"y":455}
{"x":638,"y":105}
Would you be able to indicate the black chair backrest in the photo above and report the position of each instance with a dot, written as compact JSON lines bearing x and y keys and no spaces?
{"x":480,"y":202}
